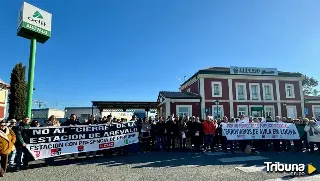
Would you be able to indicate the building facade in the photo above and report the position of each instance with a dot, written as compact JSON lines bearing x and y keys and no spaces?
{"x":4,"y":91}
{"x":233,"y":91}
{"x":312,"y":107}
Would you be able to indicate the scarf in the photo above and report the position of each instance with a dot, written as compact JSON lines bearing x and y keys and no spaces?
{"x":4,"y":134}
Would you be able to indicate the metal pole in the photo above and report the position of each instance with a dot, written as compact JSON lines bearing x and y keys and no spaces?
{"x":32,"y":61}
{"x":217,"y":110}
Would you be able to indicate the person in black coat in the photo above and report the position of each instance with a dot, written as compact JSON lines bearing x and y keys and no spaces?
{"x":161,"y":133}
{"x":171,"y":132}
{"x":196,"y":137}
{"x":72,"y":121}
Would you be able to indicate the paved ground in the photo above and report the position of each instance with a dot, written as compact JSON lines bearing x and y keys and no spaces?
{"x":169,"y":166}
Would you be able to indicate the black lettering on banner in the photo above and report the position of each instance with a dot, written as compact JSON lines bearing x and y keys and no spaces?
{"x":263,"y":131}
{"x":67,"y":133}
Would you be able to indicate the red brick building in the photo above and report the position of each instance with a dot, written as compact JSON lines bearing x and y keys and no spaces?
{"x":312,"y":106}
{"x":219,"y":92}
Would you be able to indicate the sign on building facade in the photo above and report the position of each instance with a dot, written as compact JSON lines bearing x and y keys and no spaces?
{"x":253,"y":71}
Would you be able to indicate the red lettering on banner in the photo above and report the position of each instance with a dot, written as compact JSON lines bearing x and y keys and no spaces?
{"x":37,"y":153}
{"x":55,"y":151}
{"x":80,"y":148}
{"x":106,"y":145}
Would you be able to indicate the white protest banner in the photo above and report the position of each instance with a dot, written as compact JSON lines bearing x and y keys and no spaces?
{"x":45,"y":142}
{"x":256,"y":131}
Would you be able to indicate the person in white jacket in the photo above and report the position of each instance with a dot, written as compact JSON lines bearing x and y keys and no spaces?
{"x":313,"y":135}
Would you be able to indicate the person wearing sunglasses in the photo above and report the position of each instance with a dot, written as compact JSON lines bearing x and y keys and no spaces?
{"x":7,"y":140}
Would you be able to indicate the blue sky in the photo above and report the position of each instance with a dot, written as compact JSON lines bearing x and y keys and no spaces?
{"x":131,"y":49}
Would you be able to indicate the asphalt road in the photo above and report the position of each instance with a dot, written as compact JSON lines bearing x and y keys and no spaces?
{"x":169,"y":166}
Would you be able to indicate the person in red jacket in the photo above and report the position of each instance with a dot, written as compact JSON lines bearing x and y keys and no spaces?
{"x":209,"y":129}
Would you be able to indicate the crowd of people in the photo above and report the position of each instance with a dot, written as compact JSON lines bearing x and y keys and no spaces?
{"x":171,"y":134}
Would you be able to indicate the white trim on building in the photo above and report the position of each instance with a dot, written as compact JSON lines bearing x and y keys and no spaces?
{"x":278,"y":98}
{"x":184,"y":106}
{"x":202,"y":94}
{"x":168,"y":108}
{"x":267,"y":97}
{"x":294,"y":116}
{"x":244,"y":91}
{"x":213,"y":83}
{"x":230,"y":98}
{"x":273,"y":115}
{"x":258,"y":96}
{"x":217,"y":76}
{"x":291,"y":86}
{"x":246,"y":112}
{"x":302,"y":99}
{"x":313,"y":110}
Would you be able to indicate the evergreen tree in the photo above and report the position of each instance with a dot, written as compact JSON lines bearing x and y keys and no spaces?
{"x":18,"y":92}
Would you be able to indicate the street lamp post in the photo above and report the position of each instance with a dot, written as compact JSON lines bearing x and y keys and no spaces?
{"x":217,"y":104}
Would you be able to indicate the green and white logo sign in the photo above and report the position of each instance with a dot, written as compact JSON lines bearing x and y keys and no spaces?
{"x":34,"y":22}
{"x":253,"y":71}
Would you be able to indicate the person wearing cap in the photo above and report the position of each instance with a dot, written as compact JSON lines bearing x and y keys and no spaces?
{"x":7,"y":140}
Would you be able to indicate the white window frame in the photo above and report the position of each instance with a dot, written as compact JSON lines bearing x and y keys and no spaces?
{"x":293,"y":93}
{"x":212,"y":89}
{"x":221,"y":110}
{"x":244,"y":91}
{"x":258,"y":91}
{"x":242,"y":106}
{"x":189,"y":106}
{"x":265,"y":111}
{"x":271,"y":89}
{"x":188,"y":90}
{"x":313,"y":108}
{"x":295,"y":110}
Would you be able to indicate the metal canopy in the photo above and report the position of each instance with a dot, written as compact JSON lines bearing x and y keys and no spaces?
{"x":124,"y":105}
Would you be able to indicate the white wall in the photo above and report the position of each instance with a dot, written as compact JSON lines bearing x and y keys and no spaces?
{"x":57,"y":113}
{"x":39,"y":113}
{"x":81,"y":110}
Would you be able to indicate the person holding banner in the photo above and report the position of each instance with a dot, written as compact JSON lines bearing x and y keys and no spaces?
{"x":21,"y":144}
{"x":52,"y":122}
{"x":72,"y":122}
{"x":91,"y":121}
{"x":7,"y":140}
{"x":313,"y":135}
